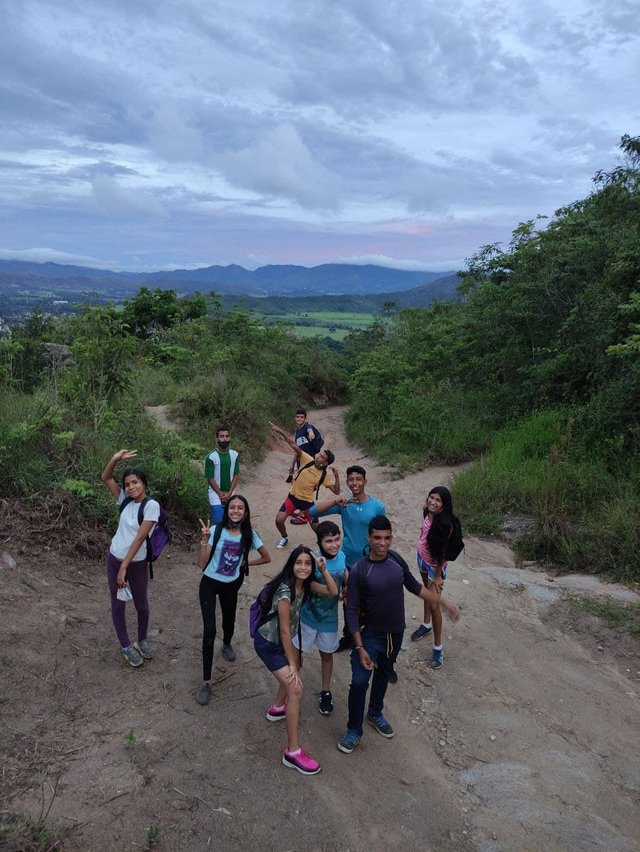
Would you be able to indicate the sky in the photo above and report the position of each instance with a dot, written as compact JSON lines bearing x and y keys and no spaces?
{"x":155,"y":134}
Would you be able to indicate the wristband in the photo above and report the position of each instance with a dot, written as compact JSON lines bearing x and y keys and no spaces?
{"x":204,"y":543}
{"x":359,"y":648}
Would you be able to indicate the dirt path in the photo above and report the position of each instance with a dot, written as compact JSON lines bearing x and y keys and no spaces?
{"x":526,"y":739}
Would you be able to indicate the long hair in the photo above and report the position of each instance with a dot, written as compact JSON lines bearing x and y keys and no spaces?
{"x":441,"y":525}
{"x":287,"y":576}
{"x":246,"y":530}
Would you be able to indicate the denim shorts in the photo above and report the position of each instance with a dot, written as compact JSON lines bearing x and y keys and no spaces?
{"x":429,"y":570}
{"x":272,"y":655}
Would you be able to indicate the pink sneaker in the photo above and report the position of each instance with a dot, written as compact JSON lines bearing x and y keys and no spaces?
{"x":274,"y":714}
{"x":301,"y":761}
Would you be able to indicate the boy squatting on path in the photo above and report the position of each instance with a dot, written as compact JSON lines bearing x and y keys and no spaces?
{"x":319,"y":615}
{"x":377,"y":623}
{"x":221,"y":469}
{"x":356,"y":511}
{"x":312,"y":474}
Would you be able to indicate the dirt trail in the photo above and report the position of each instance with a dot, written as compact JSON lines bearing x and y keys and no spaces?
{"x":524,"y":740}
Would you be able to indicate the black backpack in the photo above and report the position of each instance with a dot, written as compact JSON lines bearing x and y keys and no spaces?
{"x":320,"y":481}
{"x":455,"y":544}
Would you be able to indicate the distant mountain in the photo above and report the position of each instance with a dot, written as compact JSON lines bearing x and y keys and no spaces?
{"x":58,"y":288}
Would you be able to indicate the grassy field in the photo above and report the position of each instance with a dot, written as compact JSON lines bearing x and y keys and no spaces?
{"x":335,"y":324}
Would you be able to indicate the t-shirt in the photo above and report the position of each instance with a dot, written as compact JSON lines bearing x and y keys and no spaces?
{"x":305,"y":484}
{"x":226,"y":561}
{"x":384,"y":604}
{"x":128,"y":527}
{"x":270,"y":630}
{"x":302,"y":438}
{"x":423,"y":545}
{"x":222,"y":467}
{"x":321,"y":611}
{"x":355,"y":524}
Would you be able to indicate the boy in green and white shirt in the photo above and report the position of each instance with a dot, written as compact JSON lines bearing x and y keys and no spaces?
{"x":221,"y":469}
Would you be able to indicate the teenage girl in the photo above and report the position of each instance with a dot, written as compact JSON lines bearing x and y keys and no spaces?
{"x":126,"y":563}
{"x":223,"y":573}
{"x":437,"y":527}
{"x":273,"y":643}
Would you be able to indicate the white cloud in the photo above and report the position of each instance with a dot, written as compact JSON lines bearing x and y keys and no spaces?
{"x":122,"y":201}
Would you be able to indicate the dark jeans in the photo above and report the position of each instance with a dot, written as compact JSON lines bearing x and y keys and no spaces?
{"x":228,"y":593}
{"x":376,"y":643}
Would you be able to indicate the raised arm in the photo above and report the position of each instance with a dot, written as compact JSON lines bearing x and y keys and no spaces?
{"x":331,"y":587}
{"x":336,"y":481}
{"x":279,"y":431}
{"x":107,"y":473}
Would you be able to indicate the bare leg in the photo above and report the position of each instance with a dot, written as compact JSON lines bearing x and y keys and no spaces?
{"x":280,"y":519}
{"x":427,"y":606}
{"x":326,"y":663}
{"x":293,"y":698}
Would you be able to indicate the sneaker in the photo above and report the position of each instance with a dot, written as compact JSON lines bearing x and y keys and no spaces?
{"x":437,"y":658}
{"x":274,"y":714}
{"x":345,"y":643}
{"x":301,"y":761}
{"x":325,"y":703}
{"x":381,"y":725}
{"x":284,"y":541}
{"x":348,"y":741}
{"x":144,"y":649}
{"x":228,"y":653}
{"x":204,"y":694}
{"x":423,"y":630}
{"x":132,"y":656}
{"x":297,"y":520}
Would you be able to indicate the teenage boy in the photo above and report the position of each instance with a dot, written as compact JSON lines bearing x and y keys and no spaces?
{"x":306,"y":485}
{"x":319,"y":615}
{"x":375,"y":613}
{"x":221,"y":469}
{"x":356,"y":511}
{"x":307,"y":438}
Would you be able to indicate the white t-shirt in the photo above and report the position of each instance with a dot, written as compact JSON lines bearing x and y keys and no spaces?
{"x":128,"y":528}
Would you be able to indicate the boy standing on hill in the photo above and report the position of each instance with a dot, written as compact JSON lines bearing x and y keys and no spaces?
{"x":356,"y":511}
{"x":307,"y":438}
{"x":221,"y":469}
{"x":306,"y":485}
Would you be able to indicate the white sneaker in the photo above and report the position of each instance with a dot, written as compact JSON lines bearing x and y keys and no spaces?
{"x":284,"y":541}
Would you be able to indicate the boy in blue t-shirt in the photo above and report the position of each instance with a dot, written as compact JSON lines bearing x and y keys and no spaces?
{"x":319,"y":615}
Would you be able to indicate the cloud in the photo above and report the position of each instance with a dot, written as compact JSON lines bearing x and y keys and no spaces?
{"x":121,"y":201}
{"x":44,"y":255}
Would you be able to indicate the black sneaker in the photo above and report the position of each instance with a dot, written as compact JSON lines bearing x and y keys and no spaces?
{"x":421,"y":631}
{"x":325,"y":703}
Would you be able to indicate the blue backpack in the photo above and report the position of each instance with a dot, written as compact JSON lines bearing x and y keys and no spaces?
{"x":161,"y":534}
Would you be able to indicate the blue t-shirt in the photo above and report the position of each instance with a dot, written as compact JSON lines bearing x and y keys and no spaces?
{"x":225,"y":564}
{"x":321,"y":611}
{"x":355,"y":525}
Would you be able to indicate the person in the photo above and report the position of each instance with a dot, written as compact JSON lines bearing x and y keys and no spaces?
{"x":280,"y":618}
{"x":356,"y":511}
{"x":306,"y":484}
{"x":319,"y":615}
{"x":307,"y":438}
{"x":127,"y":566}
{"x":376,"y":619}
{"x":221,"y":469}
{"x":437,"y":527}
{"x":224,"y":558}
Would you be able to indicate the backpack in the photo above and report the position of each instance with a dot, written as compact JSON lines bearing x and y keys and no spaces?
{"x":320,"y":481}
{"x":256,"y":618}
{"x":455,"y":544}
{"x":161,"y":534}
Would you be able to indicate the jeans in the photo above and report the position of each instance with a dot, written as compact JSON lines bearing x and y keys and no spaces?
{"x":209,"y":591}
{"x":138,"y":579}
{"x":376,"y":643}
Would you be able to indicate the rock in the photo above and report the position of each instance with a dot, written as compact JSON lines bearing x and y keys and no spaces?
{"x":7,"y":560}
{"x":492,"y":738}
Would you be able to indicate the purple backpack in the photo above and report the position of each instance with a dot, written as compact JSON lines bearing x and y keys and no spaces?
{"x":161,"y":534}
{"x":256,"y":617}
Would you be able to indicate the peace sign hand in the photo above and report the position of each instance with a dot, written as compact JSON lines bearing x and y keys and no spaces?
{"x":205,"y":528}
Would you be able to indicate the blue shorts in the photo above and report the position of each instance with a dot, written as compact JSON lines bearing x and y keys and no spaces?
{"x":272,"y":655}
{"x":429,"y":570}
